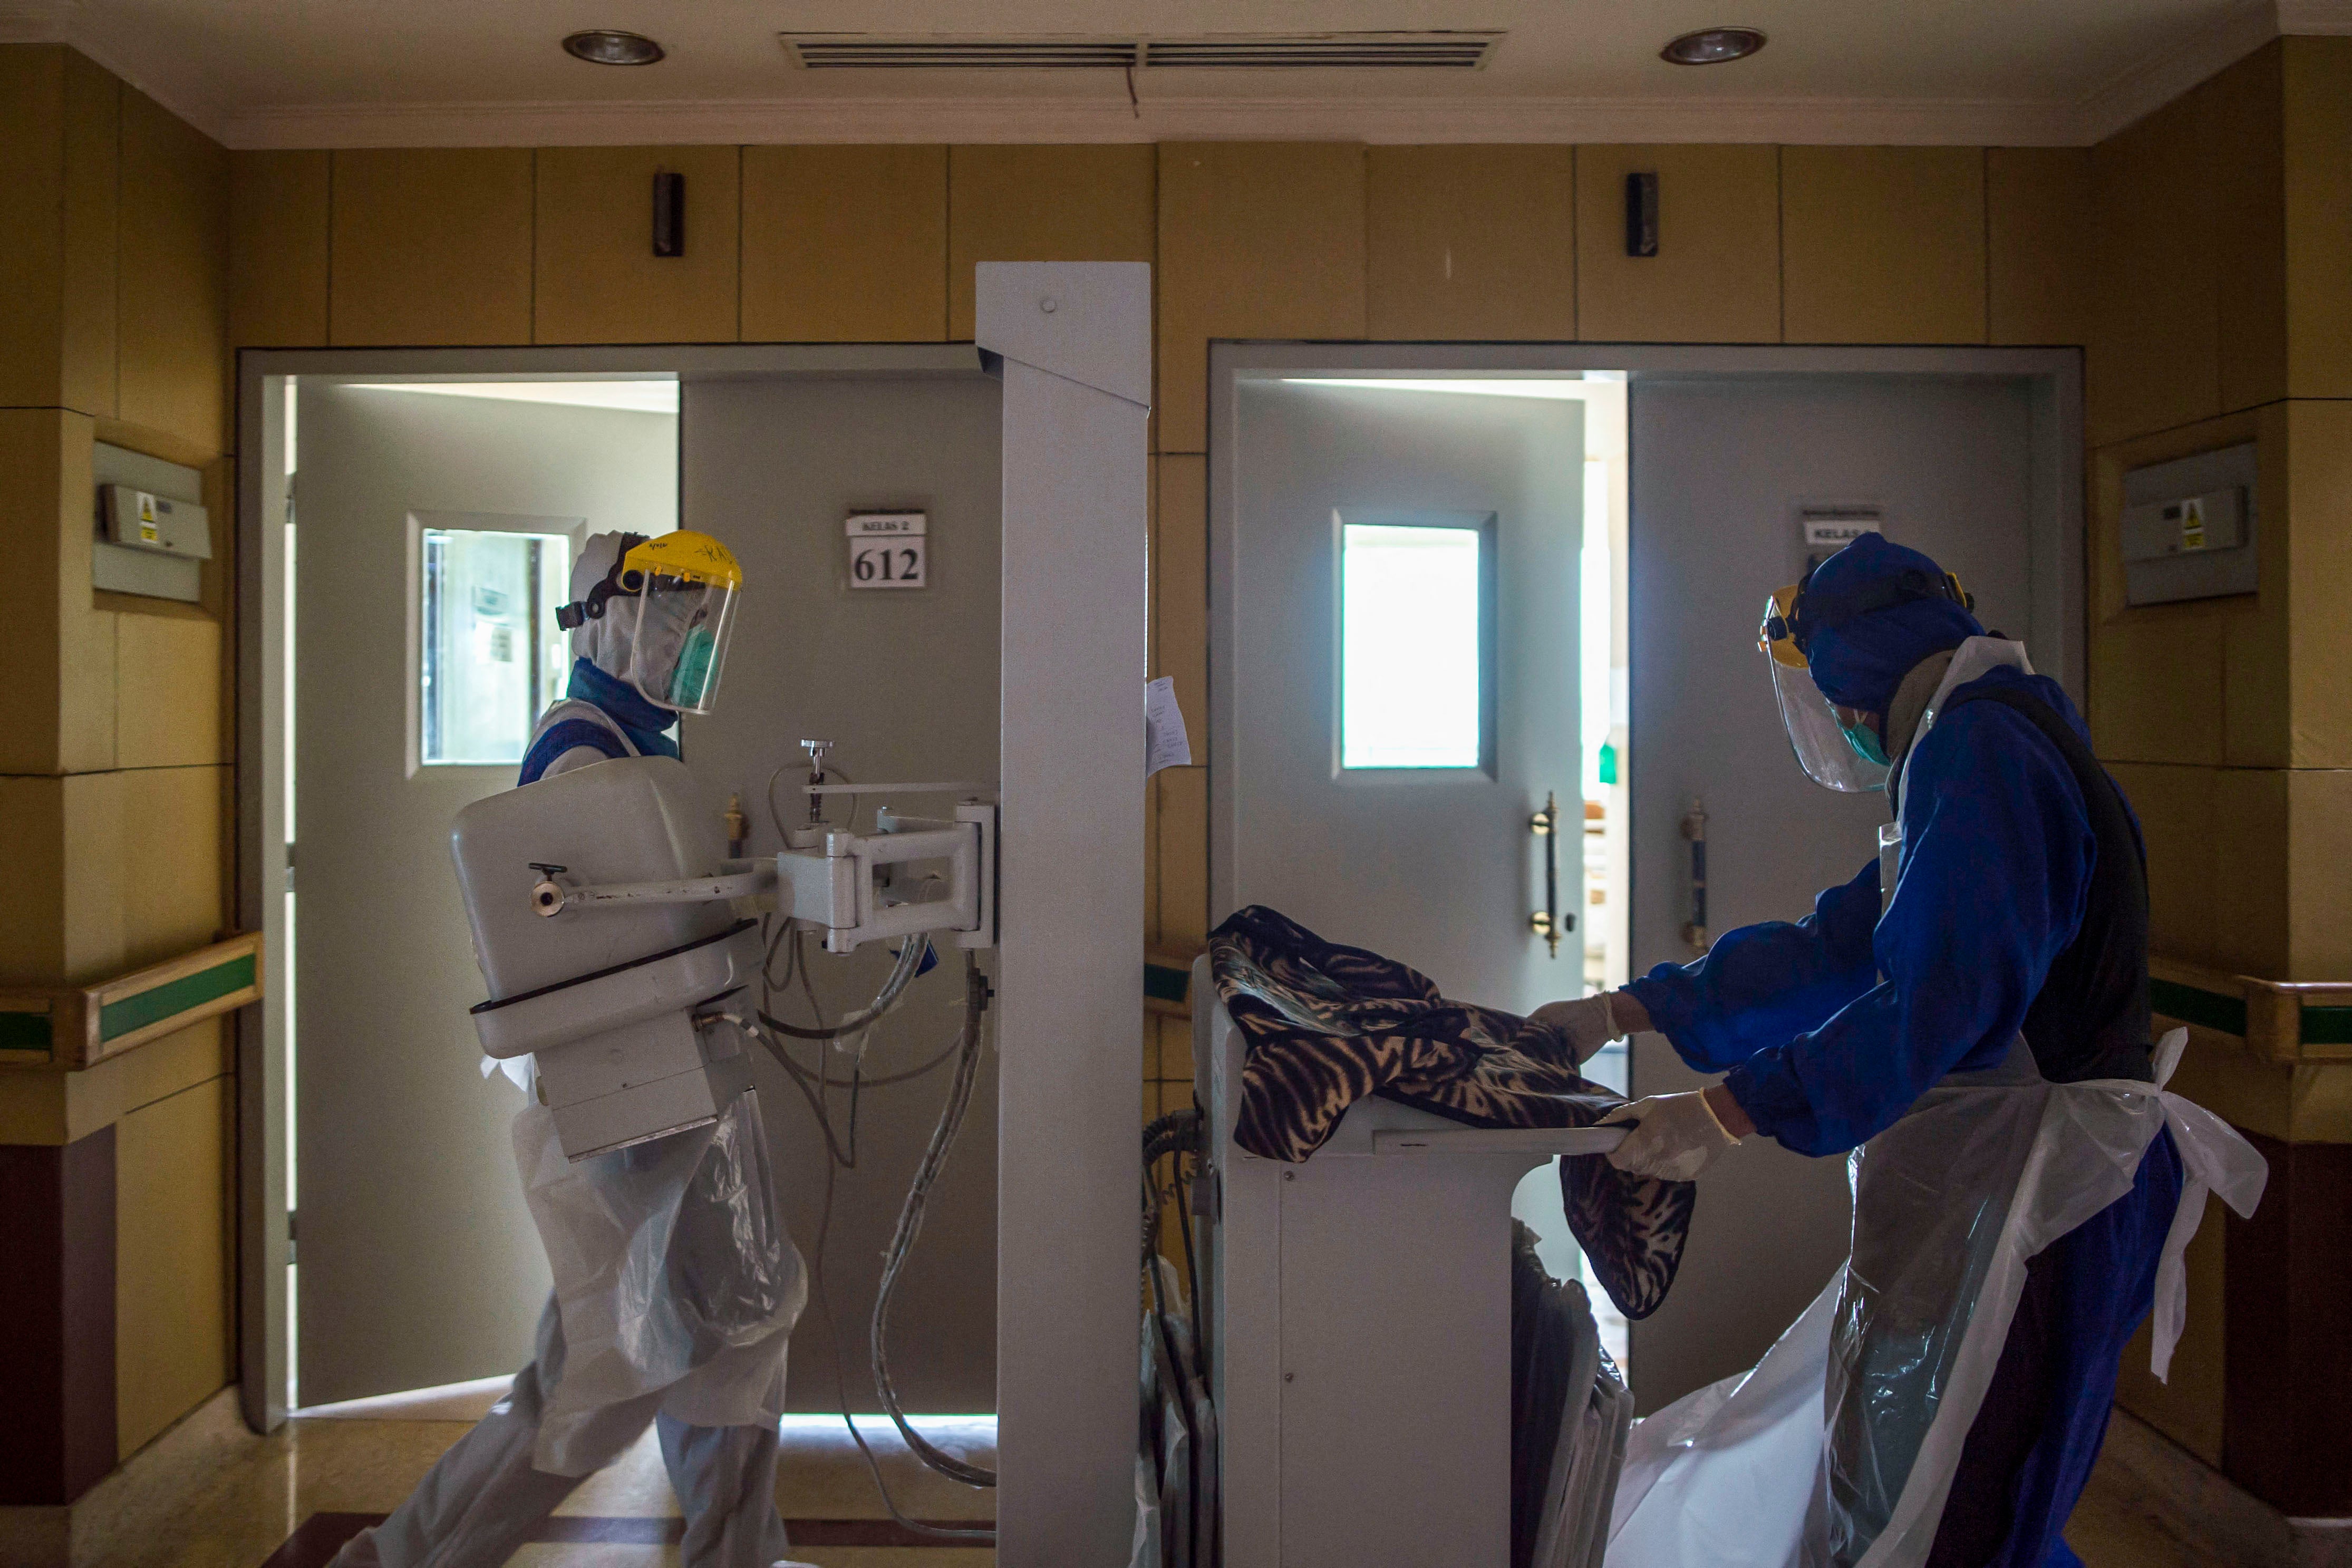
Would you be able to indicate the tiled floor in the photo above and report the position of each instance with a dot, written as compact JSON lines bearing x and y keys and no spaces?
{"x":211,"y":1495}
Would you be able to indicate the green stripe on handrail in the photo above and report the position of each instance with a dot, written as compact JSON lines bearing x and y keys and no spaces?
{"x":2328,"y":1026}
{"x":2206,"y":1008}
{"x":132,"y":1013}
{"x":26,"y":1032}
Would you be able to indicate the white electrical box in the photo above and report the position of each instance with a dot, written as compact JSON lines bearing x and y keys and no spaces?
{"x":152,"y":532}
{"x":141,"y":520}
{"x":2188,"y":528}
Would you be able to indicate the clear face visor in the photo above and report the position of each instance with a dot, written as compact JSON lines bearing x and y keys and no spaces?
{"x":1817,"y":737}
{"x":679,"y":644}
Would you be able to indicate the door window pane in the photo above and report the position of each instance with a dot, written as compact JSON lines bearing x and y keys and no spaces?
{"x":1411,"y":646}
{"x":493,"y":655}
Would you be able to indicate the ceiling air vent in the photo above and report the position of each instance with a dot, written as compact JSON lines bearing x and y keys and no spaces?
{"x":1211,"y":51}
{"x":1309,"y":51}
{"x":868,"y":51}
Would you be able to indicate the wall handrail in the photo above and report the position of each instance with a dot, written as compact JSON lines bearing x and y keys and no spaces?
{"x":70,"y":1028}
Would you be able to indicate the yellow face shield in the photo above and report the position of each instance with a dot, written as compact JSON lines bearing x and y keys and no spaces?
{"x":686,"y":585}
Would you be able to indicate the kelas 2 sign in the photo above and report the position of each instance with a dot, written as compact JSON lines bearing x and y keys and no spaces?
{"x":885,"y":549}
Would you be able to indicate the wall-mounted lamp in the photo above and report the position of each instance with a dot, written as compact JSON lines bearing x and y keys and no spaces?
{"x":670,"y":213}
{"x":1641,"y":215}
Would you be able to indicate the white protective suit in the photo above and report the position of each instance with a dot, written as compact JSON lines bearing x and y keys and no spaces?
{"x":675,"y":1291}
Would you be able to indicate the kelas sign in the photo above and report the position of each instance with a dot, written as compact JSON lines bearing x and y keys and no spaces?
{"x":885,"y":549}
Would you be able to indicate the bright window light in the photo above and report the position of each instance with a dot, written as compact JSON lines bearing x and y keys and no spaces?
{"x":1411,"y":659}
{"x":638,"y":396}
{"x":493,"y":655}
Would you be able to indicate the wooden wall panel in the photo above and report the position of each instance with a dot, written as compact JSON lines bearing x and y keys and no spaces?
{"x":141,"y":867}
{"x":1150,"y":863}
{"x":2253,"y":922}
{"x":175,"y":276}
{"x":93,"y":236}
{"x":430,"y":247}
{"x":2038,"y":244}
{"x":32,"y":264}
{"x":1717,"y":275}
{"x":1257,"y":239}
{"x":1883,"y":244}
{"x":2175,"y":807}
{"x":172,"y":1247}
{"x":1046,"y":203}
{"x":2316,"y":88}
{"x":2156,"y":351}
{"x":168,"y":696}
{"x":33,"y":915}
{"x":1179,"y":590}
{"x":845,"y":244}
{"x":279,"y":215}
{"x":2315,"y":661}
{"x":2243,"y":132}
{"x":1471,"y":242}
{"x":596,"y":280}
{"x":1183,"y":858}
{"x":2319,"y":894}
{"x":57,"y":708}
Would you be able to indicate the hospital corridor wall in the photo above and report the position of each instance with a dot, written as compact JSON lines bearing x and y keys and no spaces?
{"x":2225,"y":719}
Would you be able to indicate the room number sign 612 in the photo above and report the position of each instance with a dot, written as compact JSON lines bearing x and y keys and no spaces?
{"x":885,"y":549}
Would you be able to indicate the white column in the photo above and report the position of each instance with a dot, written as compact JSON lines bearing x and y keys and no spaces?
{"x":1075,"y":339}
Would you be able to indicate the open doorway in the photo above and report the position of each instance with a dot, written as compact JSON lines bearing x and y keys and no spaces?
{"x":427,"y":527}
{"x":1727,"y":469}
{"x":430,"y":530}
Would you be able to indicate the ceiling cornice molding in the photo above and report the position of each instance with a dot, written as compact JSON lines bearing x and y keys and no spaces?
{"x":2130,"y":95}
{"x":2140,"y":89}
{"x":1850,"y":121}
{"x":69,"y":21}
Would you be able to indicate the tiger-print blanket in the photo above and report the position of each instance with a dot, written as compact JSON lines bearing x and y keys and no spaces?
{"x":1329,"y":1025}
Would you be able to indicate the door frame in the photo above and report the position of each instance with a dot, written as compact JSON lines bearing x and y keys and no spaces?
{"x":1070,"y":345}
{"x":262,"y":1106}
{"x":2054,"y":377}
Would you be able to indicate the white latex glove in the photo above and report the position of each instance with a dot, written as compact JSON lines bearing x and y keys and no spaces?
{"x":1587,"y":1022}
{"x":1679,"y":1136}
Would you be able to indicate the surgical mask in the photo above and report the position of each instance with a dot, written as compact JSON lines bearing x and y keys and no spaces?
{"x":693,"y":668}
{"x":1863,"y":739}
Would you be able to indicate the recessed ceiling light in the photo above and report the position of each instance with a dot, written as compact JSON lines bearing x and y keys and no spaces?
{"x":610,"y":46}
{"x":1712,"y":47}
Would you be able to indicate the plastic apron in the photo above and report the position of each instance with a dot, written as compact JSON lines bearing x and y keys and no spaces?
{"x":673,"y":1272}
{"x":1840,"y":1447}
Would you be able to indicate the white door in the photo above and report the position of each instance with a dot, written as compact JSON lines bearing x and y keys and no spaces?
{"x":1723,"y":471}
{"x":1401,"y":608}
{"x":435,"y":537}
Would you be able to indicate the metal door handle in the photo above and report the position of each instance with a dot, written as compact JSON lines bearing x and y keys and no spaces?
{"x":1694,"y":830}
{"x":1547,"y":923}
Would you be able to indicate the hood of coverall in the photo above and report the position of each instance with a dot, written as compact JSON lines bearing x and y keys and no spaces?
{"x":1860,"y":663}
{"x":603,"y":640}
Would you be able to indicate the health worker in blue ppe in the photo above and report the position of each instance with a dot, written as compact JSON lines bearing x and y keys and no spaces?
{"x":677,"y":1286}
{"x":1923,"y":1012}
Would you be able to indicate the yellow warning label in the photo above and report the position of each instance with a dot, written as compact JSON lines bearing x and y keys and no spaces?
{"x":2192,"y":525}
{"x":148,"y":533}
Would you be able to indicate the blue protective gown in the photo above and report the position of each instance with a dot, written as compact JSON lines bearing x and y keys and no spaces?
{"x":1829,"y":1027}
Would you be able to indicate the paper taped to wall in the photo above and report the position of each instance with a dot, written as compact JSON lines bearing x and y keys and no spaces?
{"x":1164,"y":741}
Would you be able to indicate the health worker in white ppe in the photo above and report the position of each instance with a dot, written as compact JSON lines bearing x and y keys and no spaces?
{"x":1969,"y":1016}
{"x":675,"y":1284}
